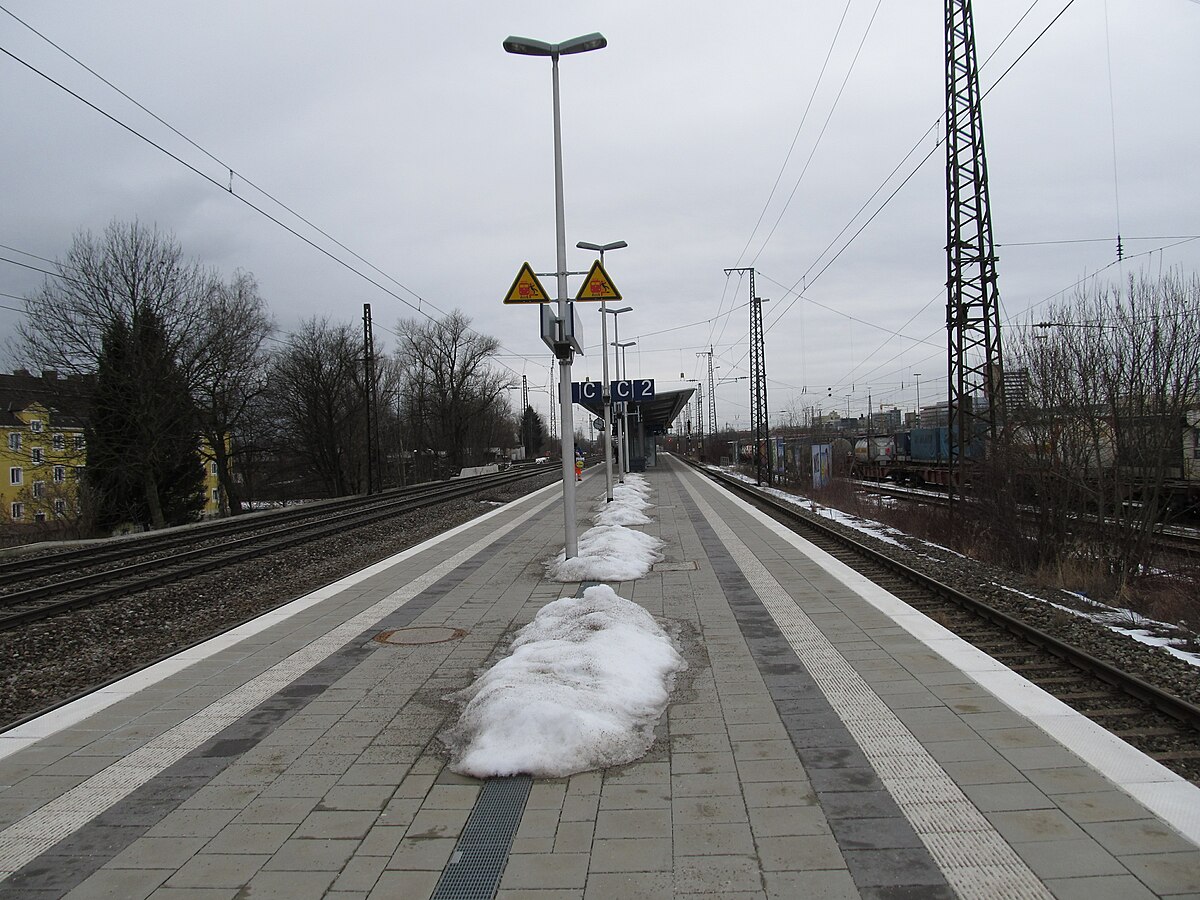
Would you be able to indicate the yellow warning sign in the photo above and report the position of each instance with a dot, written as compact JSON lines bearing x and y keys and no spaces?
{"x":526,"y":288}
{"x":598,"y":286}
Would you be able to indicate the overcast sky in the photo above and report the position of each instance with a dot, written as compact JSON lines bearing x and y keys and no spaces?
{"x":405,"y":132}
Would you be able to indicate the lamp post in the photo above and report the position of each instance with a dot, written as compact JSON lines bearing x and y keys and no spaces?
{"x":529,"y":47}
{"x":608,"y":478}
{"x":917,"y":375}
{"x":608,"y":406}
{"x":624,"y":405}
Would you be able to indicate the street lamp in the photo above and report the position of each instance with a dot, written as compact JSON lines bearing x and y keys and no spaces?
{"x":621,"y":465}
{"x":529,"y":47}
{"x":624,"y":403}
{"x":608,"y":481}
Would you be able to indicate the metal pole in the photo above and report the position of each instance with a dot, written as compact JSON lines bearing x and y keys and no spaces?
{"x":620,"y":427}
{"x":625,"y":410}
{"x":604,"y":392}
{"x":567,"y":444}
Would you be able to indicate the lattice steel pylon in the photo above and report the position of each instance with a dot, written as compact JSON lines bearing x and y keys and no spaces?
{"x":976,"y":383}
{"x":758,"y":390}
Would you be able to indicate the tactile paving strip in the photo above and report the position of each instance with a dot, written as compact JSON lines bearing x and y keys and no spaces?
{"x":976,"y":860}
{"x":478,"y":861}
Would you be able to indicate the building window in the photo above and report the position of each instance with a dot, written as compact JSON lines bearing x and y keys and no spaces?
{"x":60,"y":474}
{"x":18,"y":510}
{"x":16,"y":475}
{"x":39,"y":516}
{"x":216,"y":495}
{"x":38,"y":455}
{"x":60,"y":507}
{"x":59,"y":442}
{"x":14,"y":440}
{"x":212,"y":469}
{"x":39,"y":490}
{"x":79,"y":442}
{"x":35,"y":425}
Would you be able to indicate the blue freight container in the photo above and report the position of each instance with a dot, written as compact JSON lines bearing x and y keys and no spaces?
{"x":929,"y":445}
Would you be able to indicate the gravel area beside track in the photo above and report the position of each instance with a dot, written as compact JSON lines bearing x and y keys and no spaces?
{"x":1152,"y":664}
{"x":51,"y":661}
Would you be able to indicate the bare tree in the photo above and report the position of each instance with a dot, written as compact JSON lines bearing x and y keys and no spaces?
{"x":316,"y":389}
{"x":128,"y":271}
{"x":452,"y":399}
{"x":1111,"y":376}
{"x":229,"y":373}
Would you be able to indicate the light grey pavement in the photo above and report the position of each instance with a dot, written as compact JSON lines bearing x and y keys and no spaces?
{"x":813,"y":748}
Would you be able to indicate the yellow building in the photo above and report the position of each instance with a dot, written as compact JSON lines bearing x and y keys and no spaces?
{"x":44,"y":454}
{"x":44,"y":450}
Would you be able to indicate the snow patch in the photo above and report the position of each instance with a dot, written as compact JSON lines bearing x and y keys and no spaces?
{"x":585,"y":684}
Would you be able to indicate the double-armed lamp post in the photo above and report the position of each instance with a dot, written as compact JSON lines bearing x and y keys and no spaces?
{"x":608,"y":461}
{"x":529,"y":47}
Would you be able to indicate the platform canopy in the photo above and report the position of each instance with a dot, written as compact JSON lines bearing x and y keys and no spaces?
{"x":658,"y":412}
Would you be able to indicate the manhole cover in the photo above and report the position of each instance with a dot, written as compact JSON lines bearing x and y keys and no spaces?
{"x":421,"y":634}
{"x":685,"y":566}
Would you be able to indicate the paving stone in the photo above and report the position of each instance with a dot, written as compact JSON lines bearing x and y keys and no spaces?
{"x":701,"y":810}
{"x":125,"y":884}
{"x":799,"y":853}
{"x":312,"y":855}
{"x":218,"y":870}
{"x":703,"y":839}
{"x":633,"y":823}
{"x":630,"y":855}
{"x":548,"y":870}
{"x":628,"y":886}
{"x":829,"y":885}
{"x":717,"y":874}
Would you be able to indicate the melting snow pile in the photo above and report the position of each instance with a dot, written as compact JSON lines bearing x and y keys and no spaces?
{"x":587,"y":680}
{"x":610,"y":551}
{"x":629,"y":501}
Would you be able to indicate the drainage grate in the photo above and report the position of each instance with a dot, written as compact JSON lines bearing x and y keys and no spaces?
{"x":478,"y":861}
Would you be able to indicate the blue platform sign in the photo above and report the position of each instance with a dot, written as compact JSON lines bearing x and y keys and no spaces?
{"x":585,"y":391}
{"x":632,"y":389}
{"x":620,"y":391}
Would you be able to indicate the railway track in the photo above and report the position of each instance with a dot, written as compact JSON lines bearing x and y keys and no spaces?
{"x":1159,"y":723}
{"x":35,"y":589}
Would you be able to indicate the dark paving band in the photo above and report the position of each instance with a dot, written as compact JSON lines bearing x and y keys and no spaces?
{"x":885,"y":856}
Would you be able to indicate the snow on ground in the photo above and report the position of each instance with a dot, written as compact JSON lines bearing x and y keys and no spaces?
{"x":610,"y":551}
{"x":585,"y":684}
{"x":878,"y":530}
{"x":628,"y":503}
{"x":1122,"y":621}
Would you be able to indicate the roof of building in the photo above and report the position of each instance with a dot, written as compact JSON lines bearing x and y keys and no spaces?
{"x":68,"y":398}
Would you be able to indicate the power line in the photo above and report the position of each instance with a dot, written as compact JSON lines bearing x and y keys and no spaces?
{"x":228,"y":189}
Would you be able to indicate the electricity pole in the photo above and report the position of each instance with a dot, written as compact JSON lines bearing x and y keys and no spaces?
{"x":758,"y":382}
{"x":369,"y":391}
{"x":973,"y":299}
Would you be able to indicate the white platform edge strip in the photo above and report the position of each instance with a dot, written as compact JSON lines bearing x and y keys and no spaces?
{"x":976,"y":860}
{"x":30,"y":836}
{"x":1169,"y":796}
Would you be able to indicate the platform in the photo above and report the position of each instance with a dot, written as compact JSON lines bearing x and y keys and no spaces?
{"x":825,"y":741}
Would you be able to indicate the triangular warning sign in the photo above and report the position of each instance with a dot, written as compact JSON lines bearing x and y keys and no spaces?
{"x":526,"y":288}
{"x":598,"y":286}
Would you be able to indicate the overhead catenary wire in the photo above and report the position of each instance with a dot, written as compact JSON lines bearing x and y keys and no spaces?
{"x":421,"y":301}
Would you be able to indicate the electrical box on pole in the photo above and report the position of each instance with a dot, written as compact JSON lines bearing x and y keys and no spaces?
{"x":976,"y":383}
